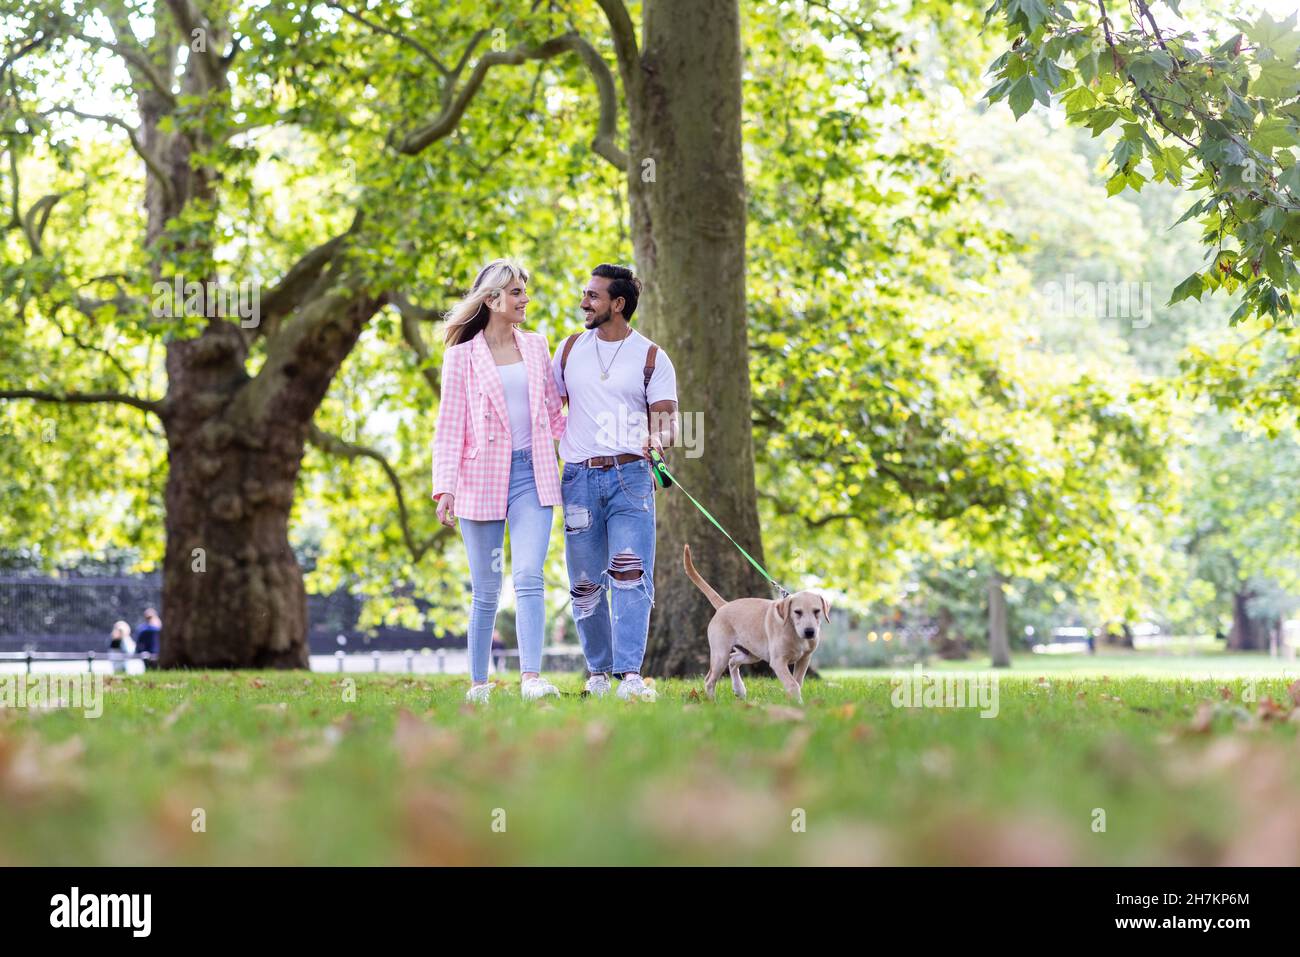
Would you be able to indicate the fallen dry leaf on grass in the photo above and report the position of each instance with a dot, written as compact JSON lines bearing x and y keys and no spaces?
{"x":175,"y":715}
{"x":1269,"y":710}
{"x":969,"y":838}
{"x":786,"y":761}
{"x":438,"y":830}
{"x":417,"y":742}
{"x":780,"y":712}
{"x":597,"y":734}
{"x":846,"y":845}
{"x":172,"y":823}
{"x":1293,"y":692}
{"x":937,"y":762}
{"x":231,"y":758}
{"x":32,"y":770}
{"x":710,"y":812}
{"x":1259,"y":774}
{"x":547,"y":740}
{"x":307,"y":748}
{"x":1203,"y":719}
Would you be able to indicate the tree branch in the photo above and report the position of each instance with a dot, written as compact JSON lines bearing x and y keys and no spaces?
{"x":605,"y":143}
{"x":146,"y":405}
{"x":623,"y":34}
{"x":21,"y":52}
{"x":191,"y":20}
{"x":155,"y":165}
{"x":296,"y":284}
{"x":37,"y":216}
{"x":454,"y":103}
{"x":334,"y":445}
{"x":400,"y":37}
{"x":136,"y":59}
{"x":412,"y":316}
{"x":89,"y":347}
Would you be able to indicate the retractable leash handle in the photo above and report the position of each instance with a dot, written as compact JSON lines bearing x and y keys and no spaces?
{"x":660,"y":470}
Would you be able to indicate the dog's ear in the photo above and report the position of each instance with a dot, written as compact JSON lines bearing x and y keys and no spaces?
{"x":783,"y":608}
{"x":826,"y":607}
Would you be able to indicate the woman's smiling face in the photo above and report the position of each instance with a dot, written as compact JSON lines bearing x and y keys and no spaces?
{"x":513,"y":301}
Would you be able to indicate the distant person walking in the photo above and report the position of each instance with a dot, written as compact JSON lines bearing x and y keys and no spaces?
{"x":121,"y":640}
{"x":148,"y":637}
{"x":498,"y":651}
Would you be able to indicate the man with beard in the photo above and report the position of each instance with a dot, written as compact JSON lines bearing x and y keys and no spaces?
{"x":622,"y":395}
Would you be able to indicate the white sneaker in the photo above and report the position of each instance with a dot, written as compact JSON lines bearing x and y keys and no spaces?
{"x":534,"y":688}
{"x":478,"y":694}
{"x":598,"y":685}
{"x":633,"y":687}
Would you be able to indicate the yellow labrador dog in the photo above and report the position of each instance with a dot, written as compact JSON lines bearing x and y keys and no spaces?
{"x":783,"y":633}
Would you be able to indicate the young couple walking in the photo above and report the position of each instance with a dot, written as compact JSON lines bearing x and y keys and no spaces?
{"x":502,"y":406}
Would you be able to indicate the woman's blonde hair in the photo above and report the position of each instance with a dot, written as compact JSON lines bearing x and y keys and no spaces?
{"x":470,"y":316}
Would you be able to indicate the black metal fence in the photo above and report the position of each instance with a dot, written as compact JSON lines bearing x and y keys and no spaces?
{"x":76,"y":614}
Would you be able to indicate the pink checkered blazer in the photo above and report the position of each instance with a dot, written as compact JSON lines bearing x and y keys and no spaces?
{"x":471,"y":442}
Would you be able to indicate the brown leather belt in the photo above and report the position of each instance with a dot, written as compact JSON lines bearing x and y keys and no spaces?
{"x":609,"y":461}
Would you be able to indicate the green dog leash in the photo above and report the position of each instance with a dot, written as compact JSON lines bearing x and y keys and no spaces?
{"x":665,"y":479}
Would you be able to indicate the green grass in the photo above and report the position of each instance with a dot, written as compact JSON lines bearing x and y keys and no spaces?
{"x":294,"y":769}
{"x":1117,"y":663}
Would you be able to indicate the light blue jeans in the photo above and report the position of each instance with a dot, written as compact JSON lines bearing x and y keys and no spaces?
{"x":530,"y":536}
{"x":609,"y":526}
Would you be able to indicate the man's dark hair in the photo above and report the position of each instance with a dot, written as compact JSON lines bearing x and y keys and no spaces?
{"x":623,"y":282}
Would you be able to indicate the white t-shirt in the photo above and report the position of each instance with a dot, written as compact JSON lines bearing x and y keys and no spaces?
{"x":608,"y":416}
{"x":514,"y":382}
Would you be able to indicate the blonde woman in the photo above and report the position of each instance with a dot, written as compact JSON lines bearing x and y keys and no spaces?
{"x":494,"y":462}
{"x":121,"y":640}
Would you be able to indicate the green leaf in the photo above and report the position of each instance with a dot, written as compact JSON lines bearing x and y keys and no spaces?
{"x":1291,"y":178}
{"x":1195,"y":209}
{"x":1276,"y":81}
{"x":1022,"y":96}
{"x":1279,"y":36}
{"x":1190,"y":288}
{"x":1088,"y":67}
{"x":1273,"y":265}
{"x":1273,"y":132}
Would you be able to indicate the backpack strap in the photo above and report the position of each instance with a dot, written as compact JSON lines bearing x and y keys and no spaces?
{"x":568,"y":347}
{"x":649,"y":370}
{"x":564,"y":360}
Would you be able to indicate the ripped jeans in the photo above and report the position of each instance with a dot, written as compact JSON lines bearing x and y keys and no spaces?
{"x":609,"y":527}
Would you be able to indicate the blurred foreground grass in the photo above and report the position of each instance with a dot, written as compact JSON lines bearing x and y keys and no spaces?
{"x":298,"y":768}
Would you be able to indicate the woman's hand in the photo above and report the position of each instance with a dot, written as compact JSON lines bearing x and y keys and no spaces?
{"x":446,"y":509}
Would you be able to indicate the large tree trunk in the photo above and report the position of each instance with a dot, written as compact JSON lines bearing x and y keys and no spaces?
{"x":999,"y":642}
{"x":233,"y":593}
{"x":1247,"y":634}
{"x":688,"y":228}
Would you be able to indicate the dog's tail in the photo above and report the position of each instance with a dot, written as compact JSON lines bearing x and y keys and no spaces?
{"x":700,"y":583}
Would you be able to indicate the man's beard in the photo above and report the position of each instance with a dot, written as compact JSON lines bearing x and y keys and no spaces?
{"x":596,"y":319}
